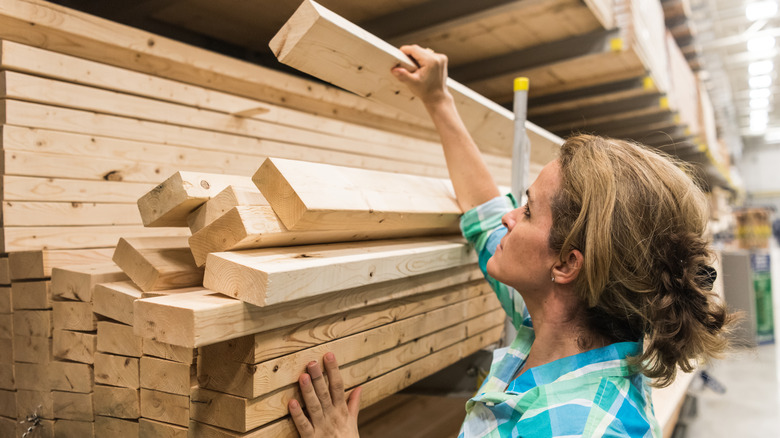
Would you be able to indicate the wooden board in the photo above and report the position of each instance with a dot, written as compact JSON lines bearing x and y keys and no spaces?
{"x":31,"y":376}
{"x":74,"y":315}
{"x":6,"y":300}
{"x":74,"y":428}
{"x":115,"y":427}
{"x":154,"y":429}
{"x":256,"y":380}
{"x":7,"y":347}
{"x":319,"y":42}
{"x":158,"y":263}
{"x":74,"y":346}
{"x":79,"y":281}
{"x":72,"y":406}
{"x":205,"y":318}
{"x":243,"y":416}
{"x":32,"y":323}
{"x":38,"y":264}
{"x":220,"y":204}
{"x":114,"y":370}
{"x":168,"y":351}
{"x":115,"y":300}
{"x":173,"y":200}
{"x":312,"y":196}
{"x":7,"y":403}
{"x":6,"y":326}
{"x":71,"y":377}
{"x":39,"y":238}
{"x":32,"y":349}
{"x":116,"y":402}
{"x":167,"y":376}
{"x":31,"y":295}
{"x":30,"y":402}
{"x":270,"y":276}
{"x":251,"y":227}
{"x":168,"y":408}
{"x":5,"y":271}
{"x":285,"y":340}
{"x":7,"y":377}
{"x":118,"y":339}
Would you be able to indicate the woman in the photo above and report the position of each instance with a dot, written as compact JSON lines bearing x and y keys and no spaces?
{"x":611,"y":266}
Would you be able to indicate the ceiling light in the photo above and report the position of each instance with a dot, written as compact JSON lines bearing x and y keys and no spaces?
{"x":758,"y":120}
{"x":760,"y":10}
{"x":772,"y":136}
{"x":761,"y":43}
{"x":760,"y":67}
{"x":760,"y":93}
{"x":759,"y":103}
{"x":760,"y":81}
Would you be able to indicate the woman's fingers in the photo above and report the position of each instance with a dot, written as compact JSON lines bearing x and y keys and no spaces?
{"x":302,"y":423}
{"x":320,"y":387}
{"x":353,"y":406}
{"x":310,"y":399}
{"x":334,"y":379}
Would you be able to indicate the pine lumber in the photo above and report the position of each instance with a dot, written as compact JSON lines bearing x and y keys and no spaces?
{"x":204,"y":318}
{"x":168,"y":351}
{"x":44,"y":428}
{"x":41,"y":189}
{"x":31,"y":376}
{"x":221,"y":203}
{"x":7,"y":376}
{"x":7,"y":426}
{"x":7,"y":347}
{"x":6,"y":299}
{"x":239,"y":413}
{"x":35,"y":402}
{"x":156,"y":263}
{"x":32,"y":349}
{"x":5,"y":270}
{"x":253,"y":381}
{"x":74,"y":428}
{"x":32,"y":323}
{"x":270,"y":276}
{"x":155,"y":429}
{"x":167,"y":376}
{"x":38,"y":238}
{"x":115,"y":427}
{"x":71,"y":377}
{"x":7,"y":403}
{"x":73,"y":315}
{"x":252,"y":227}
{"x":31,"y":295}
{"x":174,"y":199}
{"x":314,"y":196}
{"x":6,"y":326}
{"x":285,"y":340}
{"x":116,"y":402}
{"x":38,"y":264}
{"x":118,"y":339}
{"x":72,"y":406}
{"x":79,"y":281}
{"x":323,"y":44}
{"x":74,"y":346}
{"x":114,"y":370}
{"x":115,"y":300}
{"x":168,"y":408}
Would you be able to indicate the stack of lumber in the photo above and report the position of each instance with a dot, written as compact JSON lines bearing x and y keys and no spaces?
{"x":678,"y":15}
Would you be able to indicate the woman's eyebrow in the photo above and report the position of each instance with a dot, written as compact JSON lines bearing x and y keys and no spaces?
{"x":528,"y":196}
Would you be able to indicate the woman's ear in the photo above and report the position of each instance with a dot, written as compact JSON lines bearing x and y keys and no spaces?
{"x":568,"y":270}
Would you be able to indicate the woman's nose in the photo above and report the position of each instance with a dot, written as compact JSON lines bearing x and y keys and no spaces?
{"x":508,"y":220}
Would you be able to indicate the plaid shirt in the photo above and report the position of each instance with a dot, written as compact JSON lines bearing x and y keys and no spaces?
{"x":591,"y":394}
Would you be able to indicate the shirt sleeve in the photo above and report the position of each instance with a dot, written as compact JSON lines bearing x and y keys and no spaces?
{"x":482,"y":227}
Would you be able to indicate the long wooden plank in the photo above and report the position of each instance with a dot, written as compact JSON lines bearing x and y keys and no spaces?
{"x":155,"y":263}
{"x":323,"y":44}
{"x":22,"y":188}
{"x":312,"y":196}
{"x":30,"y":295}
{"x":72,"y":406}
{"x":25,"y":213}
{"x":117,"y":402}
{"x":73,"y":315}
{"x":79,"y":281}
{"x":118,"y":339}
{"x":271,"y":344}
{"x":174,"y":199}
{"x":203,"y":318}
{"x":167,"y":376}
{"x":26,"y":265}
{"x":5,"y":271}
{"x":115,"y":370}
{"x":223,"y":202}
{"x":103,"y":236}
{"x":250,"y":227}
{"x":115,"y":300}
{"x":238,"y":379}
{"x":27,"y":59}
{"x":243,"y":415}
{"x":71,"y":377}
{"x":270,"y":276}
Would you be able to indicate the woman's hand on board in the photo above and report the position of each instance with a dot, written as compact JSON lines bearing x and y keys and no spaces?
{"x":429,"y":81}
{"x":330,"y":413}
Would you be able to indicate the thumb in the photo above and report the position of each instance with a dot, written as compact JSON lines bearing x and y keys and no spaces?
{"x":353,"y":404}
{"x":402,"y":74}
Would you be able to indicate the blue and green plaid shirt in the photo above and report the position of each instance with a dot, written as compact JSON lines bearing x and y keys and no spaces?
{"x":591,"y":394}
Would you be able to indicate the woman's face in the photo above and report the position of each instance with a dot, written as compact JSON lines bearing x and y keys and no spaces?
{"x":523,"y":259}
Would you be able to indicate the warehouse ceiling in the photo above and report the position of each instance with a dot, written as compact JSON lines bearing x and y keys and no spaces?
{"x":715,"y":36}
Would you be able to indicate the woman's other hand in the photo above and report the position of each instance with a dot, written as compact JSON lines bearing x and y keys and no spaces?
{"x":330,"y":414}
{"x":428,"y":82}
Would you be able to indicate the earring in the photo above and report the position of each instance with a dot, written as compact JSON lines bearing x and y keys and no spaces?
{"x":553,"y":279}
